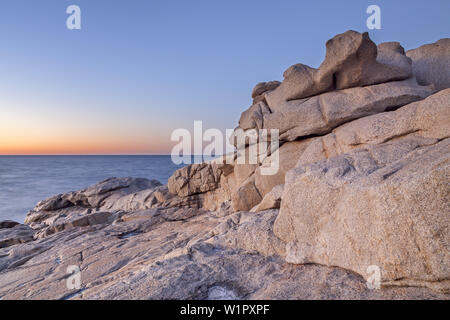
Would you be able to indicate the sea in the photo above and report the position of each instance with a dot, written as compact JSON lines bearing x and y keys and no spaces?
{"x":26,"y":180}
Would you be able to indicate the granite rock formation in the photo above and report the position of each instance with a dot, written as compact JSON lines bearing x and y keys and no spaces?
{"x":362,"y":181}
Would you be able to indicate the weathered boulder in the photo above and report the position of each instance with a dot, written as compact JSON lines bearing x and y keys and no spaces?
{"x":110,"y":190}
{"x":141,"y":200}
{"x":300,"y":118}
{"x":351,"y":61}
{"x":98,"y":204}
{"x":196,"y":178}
{"x":263,"y":87}
{"x":392,"y":53}
{"x":14,"y":235}
{"x":75,"y":220}
{"x":97,"y":195}
{"x":431,"y":64}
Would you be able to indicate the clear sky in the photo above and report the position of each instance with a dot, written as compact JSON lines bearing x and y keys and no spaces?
{"x":139,"y":69}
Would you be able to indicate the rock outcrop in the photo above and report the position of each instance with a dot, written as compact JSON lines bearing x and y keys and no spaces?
{"x":383,"y":182}
{"x":15,"y":234}
{"x":351,"y":61}
{"x":362,"y":181}
{"x":431,"y":64}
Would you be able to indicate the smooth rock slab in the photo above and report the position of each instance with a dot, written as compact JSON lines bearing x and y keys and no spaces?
{"x":320,"y":114}
{"x":418,"y":124}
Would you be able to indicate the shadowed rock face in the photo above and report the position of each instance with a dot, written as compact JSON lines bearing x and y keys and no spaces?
{"x":15,"y":235}
{"x":362,"y":181}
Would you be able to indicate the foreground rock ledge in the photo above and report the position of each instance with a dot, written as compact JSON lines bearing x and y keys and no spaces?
{"x":142,"y":255}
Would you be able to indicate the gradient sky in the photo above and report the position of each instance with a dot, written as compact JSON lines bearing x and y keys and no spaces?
{"x":139,"y":69}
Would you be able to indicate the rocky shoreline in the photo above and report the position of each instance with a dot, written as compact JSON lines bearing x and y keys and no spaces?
{"x":363,"y":181}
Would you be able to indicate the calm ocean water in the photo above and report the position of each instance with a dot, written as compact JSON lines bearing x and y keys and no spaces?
{"x":25,"y":180}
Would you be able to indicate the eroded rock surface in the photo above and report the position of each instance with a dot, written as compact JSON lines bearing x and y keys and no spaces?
{"x":142,"y":255}
{"x":383,"y":186}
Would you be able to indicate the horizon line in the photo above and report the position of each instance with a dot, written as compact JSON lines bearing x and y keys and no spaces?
{"x":105,"y":154}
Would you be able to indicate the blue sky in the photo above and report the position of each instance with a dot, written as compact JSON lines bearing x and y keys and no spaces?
{"x":139,"y":69}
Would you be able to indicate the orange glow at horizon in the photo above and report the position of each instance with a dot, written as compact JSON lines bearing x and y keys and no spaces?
{"x":61,"y":142}
{"x":81,"y":148}
{"x":34,"y":133}
{"x":84,"y":150}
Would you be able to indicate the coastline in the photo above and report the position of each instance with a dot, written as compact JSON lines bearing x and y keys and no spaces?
{"x":358,"y":208}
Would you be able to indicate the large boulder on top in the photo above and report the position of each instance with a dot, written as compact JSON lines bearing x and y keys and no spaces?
{"x":392,"y":53}
{"x":431,"y":64}
{"x":351,"y":61}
